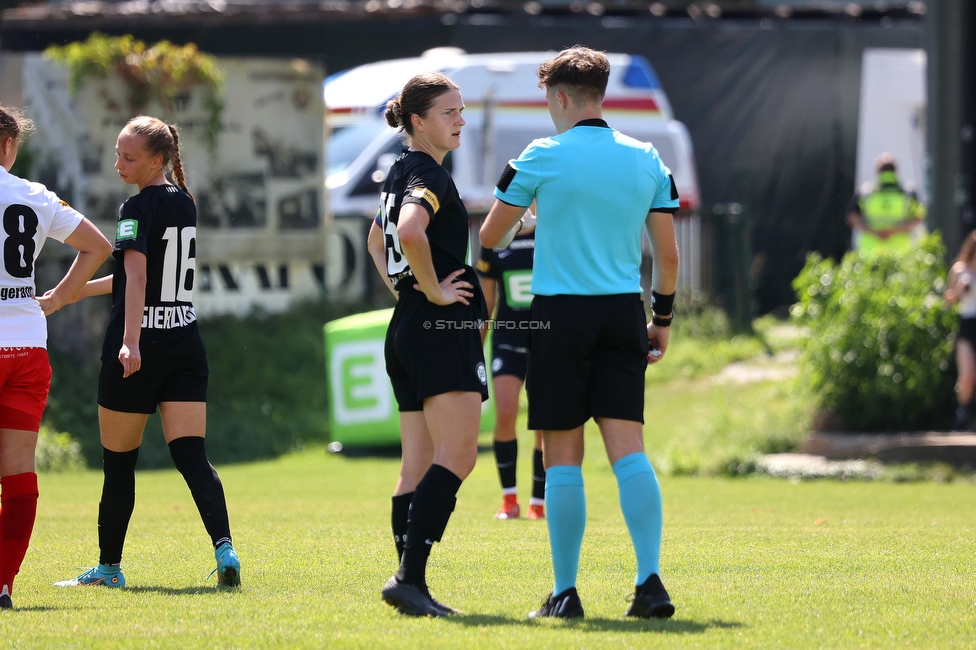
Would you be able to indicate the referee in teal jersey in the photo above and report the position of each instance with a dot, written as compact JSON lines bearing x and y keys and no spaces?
{"x":596,"y":189}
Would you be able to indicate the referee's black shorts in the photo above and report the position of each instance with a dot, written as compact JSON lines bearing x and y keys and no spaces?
{"x":432,"y":349}
{"x":160,"y":379}
{"x":586,"y":360}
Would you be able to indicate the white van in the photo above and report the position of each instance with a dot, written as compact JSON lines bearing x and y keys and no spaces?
{"x":505,"y":110}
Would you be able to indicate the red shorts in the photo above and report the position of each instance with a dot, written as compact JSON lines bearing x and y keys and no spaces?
{"x":25,"y":380}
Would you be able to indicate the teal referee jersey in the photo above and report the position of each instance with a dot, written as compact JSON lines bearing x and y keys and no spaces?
{"x":594,"y":187}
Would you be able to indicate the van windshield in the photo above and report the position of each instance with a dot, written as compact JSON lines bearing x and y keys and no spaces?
{"x":346,"y":143}
{"x":664,"y":146}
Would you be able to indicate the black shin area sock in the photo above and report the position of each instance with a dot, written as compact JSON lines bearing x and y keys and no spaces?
{"x":118,"y":500}
{"x":538,"y":475}
{"x":401,"y":509}
{"x":190,"y":457}
{"x":506,"y":456}
{"x":430,"y":509}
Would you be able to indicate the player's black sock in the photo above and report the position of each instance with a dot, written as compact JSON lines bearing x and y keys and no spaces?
{"x":118,"y":500}
{"x":401,"y":509}
{"x":538,"y":475}
{"x":430,"y":509}
{"x":506,"y":456}
{"x":190,"y":457}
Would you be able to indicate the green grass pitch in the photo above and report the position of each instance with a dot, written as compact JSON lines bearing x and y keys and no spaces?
{"x":753,"y":562}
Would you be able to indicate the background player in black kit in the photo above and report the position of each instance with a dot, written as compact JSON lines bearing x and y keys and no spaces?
{"x":506,"y":275}
{"x":153,"y":354}
{"x":434,"y":357}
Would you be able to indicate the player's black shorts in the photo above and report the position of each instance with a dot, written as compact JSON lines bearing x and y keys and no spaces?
{"x":432,"y":349}
{"x":509,"y":353}
{"x":967,"y":330}
{"x":587,"y":360}
{"x":174,"y":379}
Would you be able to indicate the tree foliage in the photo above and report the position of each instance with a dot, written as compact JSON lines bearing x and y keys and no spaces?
{"x":880,"y":352}
{"x":158,"y":73}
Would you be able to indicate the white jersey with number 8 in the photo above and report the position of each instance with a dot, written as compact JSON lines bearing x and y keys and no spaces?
{"x":29,"y":214}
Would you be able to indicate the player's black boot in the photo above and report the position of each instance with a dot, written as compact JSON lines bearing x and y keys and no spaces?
{"x":651,"y":600}
{"x":410,"y":599}
{"x":565,"y":605}
{"x":447,"y":609}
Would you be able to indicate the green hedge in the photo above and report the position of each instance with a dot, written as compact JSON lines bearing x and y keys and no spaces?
{"x":267,"y":391}
{"x":880,"y":352}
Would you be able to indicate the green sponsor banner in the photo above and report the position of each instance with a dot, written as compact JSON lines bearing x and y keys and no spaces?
{"x":362,"y":409}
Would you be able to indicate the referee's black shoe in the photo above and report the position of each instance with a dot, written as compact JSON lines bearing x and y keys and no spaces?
{"x":651,"y":600}
{"x":565,"y":605}
{"x":409,"y":599}
{"x":5,"y":602}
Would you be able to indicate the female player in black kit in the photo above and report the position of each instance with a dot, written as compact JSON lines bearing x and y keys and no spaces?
{"x":153,"y":354}
{"x":434,"y":357}
{"x":506,"y":274}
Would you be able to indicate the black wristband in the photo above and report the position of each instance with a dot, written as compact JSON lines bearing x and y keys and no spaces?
{"x":661,"y":322}
{"x":662,"y":305}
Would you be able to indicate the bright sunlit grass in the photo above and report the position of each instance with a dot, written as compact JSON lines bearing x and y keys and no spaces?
{"x":751,"y":562}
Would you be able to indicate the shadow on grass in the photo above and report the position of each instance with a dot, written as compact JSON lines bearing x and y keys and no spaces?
{"x":671,"y":626}
{"x":182,"y":591}
{"x":38,"y":608}
{"x":383,"y":451}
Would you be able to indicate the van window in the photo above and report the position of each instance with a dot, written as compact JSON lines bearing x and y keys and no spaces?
{"x":665,"y":148}
{"x":345,"y":145}
{"x":371,"y":182}
{"x":510,"y":143}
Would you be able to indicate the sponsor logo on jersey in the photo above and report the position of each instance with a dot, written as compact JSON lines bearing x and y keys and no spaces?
{"x":127,"y":229}
{"x":426,"y":195}
{"x":496,"y":365}
{"x":518,"y":288}
{"x":64,"y":204}
{"x":167,"y":318}
{"x":16,"y":293}
{"x":482,"y":373}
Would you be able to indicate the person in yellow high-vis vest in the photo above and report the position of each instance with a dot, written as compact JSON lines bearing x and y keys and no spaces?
{"x":884,"y":214}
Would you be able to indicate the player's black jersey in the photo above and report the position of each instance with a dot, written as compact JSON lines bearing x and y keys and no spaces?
{"x":160,"y":222}
{"x":417,"y":178}
{"x":511,"y":268}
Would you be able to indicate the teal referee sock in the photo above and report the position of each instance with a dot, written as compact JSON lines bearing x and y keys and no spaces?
{"x":566,"y":518}
{"x":640,"y":501}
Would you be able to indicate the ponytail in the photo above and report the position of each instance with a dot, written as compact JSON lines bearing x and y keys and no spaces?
{"x":178,"y":174}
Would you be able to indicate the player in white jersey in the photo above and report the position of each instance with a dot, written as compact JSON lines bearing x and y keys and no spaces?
{"x":30,"y":214}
